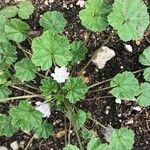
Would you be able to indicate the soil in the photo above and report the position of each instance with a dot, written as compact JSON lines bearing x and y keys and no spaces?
{"x":104,"y":109}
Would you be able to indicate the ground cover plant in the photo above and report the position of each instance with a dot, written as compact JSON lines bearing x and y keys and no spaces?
{"x":50,"y":58}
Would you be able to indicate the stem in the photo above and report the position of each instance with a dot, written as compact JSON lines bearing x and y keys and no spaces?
{"x":95,"y":53}
{"x":97,"y":122}
{"x":21,"y":89}
{"x":101,"y":89}
{"x":107,"y":80}
{"x":65,"y":122}
{"x":32,"y":138}
{"x":21,"y":97}
{"x":68,"y":106}
{"x":69,"y":132}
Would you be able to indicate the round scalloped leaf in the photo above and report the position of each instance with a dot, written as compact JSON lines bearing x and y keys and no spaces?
{"x":7,"y":53}
{"x":125,"y":86}
{"x":9,"y":11}
{"x":26,"y":9}
{"x":54,"y":21}
{"x":129,"y":21}
{"x":78,"y":50}
{"x":16,"y":30}
{"x":147,"y":74}
{"x":94,"y":16}
{"x":4,"y":92}
{"x":51,"y":47}
{"x":3,"y":22}
{"x":44,"y":130}
{"x":144,"y":97}
{"x":95,"y":144}
{"x":6,"y":127}
{"x":25,"y":116}
{"x":25,"y":70}
{"x":76,"y":89}
{"x":48,"y":86}
{"x":70,"y":147}
{"x":144,"y":58}
{"x":122,"y":139}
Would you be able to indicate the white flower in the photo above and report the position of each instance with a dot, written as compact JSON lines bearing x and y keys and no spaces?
{"x":43,"y":108}
{"x":80,"y":3}
{"x":118,"y":101}
{"x":128,"y":48}
{"x":60,"y":74}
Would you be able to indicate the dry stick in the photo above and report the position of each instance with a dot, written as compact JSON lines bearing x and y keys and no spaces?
{"x":32,"y":138}
{"x":101,"y":89}
{"x":65,"y":122}
{"x":95,"y":53}
{"x":20,"y":97}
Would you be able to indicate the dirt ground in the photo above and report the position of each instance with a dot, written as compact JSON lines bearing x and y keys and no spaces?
{"x":103,"y":109}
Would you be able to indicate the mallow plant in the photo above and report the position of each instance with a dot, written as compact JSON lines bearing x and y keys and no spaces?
{"x":44,"y":70}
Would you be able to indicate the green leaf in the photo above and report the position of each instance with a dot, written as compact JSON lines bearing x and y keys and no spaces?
{"x":44,"y":130}
{"x":26,"y":9}
{"x":54,"y":21}
{"x":9,"y":11}
{"x":3,"y":22}
{"x":122,"y":139}
{"x":86,"y":134}
{"x":147,"y":74}
{"x":6,"y":127}
{"x":25,"y":116}
{"x":125,"y":86}
{"x":4,"y":75}
{"x":25,"y":69}
{"x":7,"y":53}
{"x":4,"y":92}
{"x":94,"y":16}
{"x":70,"y":147}
{"x":48,"y":86}
{"x":16,"y":30}
{"x":78,"y":50}
{"x":129,"y":21}
{"x":51,"y":47}
{"x":144,"y":98}
{"x":76,"y":89}
{"x":95,"y":144}
{"x":144,"y":58}
{"x":80,"y":118}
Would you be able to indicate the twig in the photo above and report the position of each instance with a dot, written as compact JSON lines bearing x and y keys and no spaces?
{"x":69,"y":131}
{"x":32,"y":138}
{"x":65,"y":122}
{"x":100,"y":89}
{"x":20,"y":97}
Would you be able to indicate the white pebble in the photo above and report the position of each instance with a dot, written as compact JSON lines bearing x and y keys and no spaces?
{"x":118,"y":101}
{"x":3,"y":148}
{"x":14,"y":145}
{"x":107,"y":112}
{"x":128,"y":48}
{"x":119,"y":115}
{"x":80,"y":3}
{"x":137,"y":108}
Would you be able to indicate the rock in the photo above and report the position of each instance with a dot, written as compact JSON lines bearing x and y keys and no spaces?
{"x":118,"y":101}
{"x":51,"y":1}
{"x":14,"y":145}
{"x":80,"y":3}
{"x":3,"y":148}
{"x":128,"y":48}
{"x":137,"y":108}
{"x":22,"y":144}
{"x":103,"y":56}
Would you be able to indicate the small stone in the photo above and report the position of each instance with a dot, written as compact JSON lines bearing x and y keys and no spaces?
{"x":119,"y":115}
{"x":103,"y":56}
{"x":22,"y":144}
{"x":118,"y":101}
{"x":137,"y":108}
{"x":80,"y":3}
{"x":106,"y":112}
{"x":128,"y":48}
{"x":130,"y":121}
{"x":3,"y":148}
{"x":138,"y":42}
{"x":121,"y":67}
{"x":71,"y":6}
{"x":51,"y":1}
{"x":14,"y":145}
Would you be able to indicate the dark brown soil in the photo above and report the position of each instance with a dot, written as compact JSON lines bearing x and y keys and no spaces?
{"x":124,"y":60}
